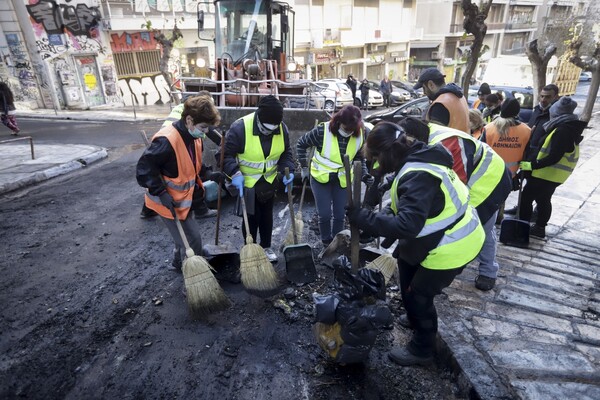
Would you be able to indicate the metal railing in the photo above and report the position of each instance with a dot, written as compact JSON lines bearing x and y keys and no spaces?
{"x":22,"y":138}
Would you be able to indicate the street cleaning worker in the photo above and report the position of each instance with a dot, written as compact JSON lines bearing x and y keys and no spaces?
{"x":486,"y":176}
{"x":170,"y":170}
{"x":509,"y":138}
{"x":479,"y":103}
{"x":476,"y":123}
{"x":553,"y":164}
{"x":343,"y":134}
{"x":439,"y":233}
{"x":257,"y":147}
{"x":448,"y":104}
{"x":199,"y":205}
{"x":493,"y":104}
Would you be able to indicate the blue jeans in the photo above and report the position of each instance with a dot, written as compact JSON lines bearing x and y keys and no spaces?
{"x":329,"y":196}
{"x":488,"y":266}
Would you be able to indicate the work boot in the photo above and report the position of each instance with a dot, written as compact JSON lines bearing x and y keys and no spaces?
{"x":484,"y":283}
{"x":147,"y":213}
{"x":175,"y":265}
{"x":271,"y":256}
{"x":403,"y":357}
{"x":405,"y":322}
{"x":538,"y":231}
{"x":208,"y":213}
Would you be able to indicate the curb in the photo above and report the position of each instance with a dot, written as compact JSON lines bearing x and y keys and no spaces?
{"x":54,"y":171}
{"x":90,"y":117}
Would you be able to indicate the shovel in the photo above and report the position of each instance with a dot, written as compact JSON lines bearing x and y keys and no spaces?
{"x":515,"y":232}
{"x":299,"y":262}
{"x":354,"y":232}
{"x":221,"y":255}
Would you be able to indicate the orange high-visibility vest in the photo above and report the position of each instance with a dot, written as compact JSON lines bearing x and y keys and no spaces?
{"x":182,"y":186}
{"x":510,"y":147}
{"x":458,"y":109}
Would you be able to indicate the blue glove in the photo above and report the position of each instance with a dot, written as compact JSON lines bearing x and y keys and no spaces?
{"x":238,"y":181}
{"x":288,"y":181}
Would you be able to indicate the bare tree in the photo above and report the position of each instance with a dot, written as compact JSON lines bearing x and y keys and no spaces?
{"x":539,"y":58}
{"x":590,"y":64}
{"x":474,"y":24}
{"x":166,"y":43}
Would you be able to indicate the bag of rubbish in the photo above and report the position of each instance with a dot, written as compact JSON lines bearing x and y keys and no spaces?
{"x":349,"y":320}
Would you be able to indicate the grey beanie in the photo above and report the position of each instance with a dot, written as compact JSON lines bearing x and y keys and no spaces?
{"x":564,"y":105}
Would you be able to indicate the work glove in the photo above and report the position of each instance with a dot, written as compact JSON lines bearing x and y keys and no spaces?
{"x":525,"y":166}
{"x":288,"y":181}
{"x":237,"y":180}
{"x":372,"y":196}
{"x":305,"y":174}
{"x":167,"y":200}
{"x":387,"y":242}
{"x":216,"y":176}
{"x":368,"y":179}
{"x":356,"y":215}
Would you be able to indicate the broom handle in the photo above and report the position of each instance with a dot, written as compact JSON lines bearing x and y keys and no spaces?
{"x":291,"y":205}
{"x":221,"y":159}
{"x":245,"y":214}
{"x":353,"y":230}
{"x":519,"y":199}
{"x":309,"y":156}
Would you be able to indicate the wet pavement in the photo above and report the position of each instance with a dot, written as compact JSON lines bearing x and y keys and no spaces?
{"x":536,"y":335}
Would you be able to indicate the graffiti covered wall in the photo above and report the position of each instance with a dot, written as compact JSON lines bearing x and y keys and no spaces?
{"x":69,"y":40}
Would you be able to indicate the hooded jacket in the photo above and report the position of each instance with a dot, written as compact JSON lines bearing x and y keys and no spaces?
{"x":450,"y":108}
{"x":536,"y":122}
{"x":420,"y":198}
{"x":565,"y":138}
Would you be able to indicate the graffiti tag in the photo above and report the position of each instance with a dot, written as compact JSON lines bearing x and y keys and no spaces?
{"x":145,"y":91}
{"x":79,"y":19}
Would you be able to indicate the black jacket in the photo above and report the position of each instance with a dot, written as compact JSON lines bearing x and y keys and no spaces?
{"x":159,"y":159}
{"x":563,"y":141}
{"x":235,"y":143}
{"x":420,"y":198}
{"x":536,"y":122}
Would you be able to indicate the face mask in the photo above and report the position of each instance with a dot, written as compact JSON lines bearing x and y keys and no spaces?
{"x":344,"y":133}
{"x":266,"y":129}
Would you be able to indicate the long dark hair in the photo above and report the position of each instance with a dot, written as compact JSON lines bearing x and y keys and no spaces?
{"x":5,"y":90}
{"x":388,"y":144}
{"x":350,"y":117}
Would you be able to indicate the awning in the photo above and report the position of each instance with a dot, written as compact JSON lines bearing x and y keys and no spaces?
{"x":424,"y":44}
{"x":463,"y":49}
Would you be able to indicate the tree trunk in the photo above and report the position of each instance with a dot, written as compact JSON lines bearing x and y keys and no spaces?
{"x":592,"y":64}
{"x":539,"y":64}
{"x":586,"y":114}
{"x":474,"y":23}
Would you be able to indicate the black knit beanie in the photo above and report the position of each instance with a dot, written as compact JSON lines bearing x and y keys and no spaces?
{"x":510,"y":108}
{"x":484,"y":89}
{"x":270,"y":110}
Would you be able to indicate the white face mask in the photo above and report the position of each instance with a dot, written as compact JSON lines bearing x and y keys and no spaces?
{"x":266,"y":129}
{"x":344,"y":133}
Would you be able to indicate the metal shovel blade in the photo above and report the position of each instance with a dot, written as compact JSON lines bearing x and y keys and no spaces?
{"x":222,"y":255}
{"x":299,"y":263}
{"x":368,"y":254}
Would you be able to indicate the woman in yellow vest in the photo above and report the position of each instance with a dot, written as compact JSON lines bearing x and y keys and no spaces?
{"x":438,"y":231}
{"x":553,"y":164}
{"x":343,"y":134}
{"x":170,"y":168}
{"x":257,"y":148}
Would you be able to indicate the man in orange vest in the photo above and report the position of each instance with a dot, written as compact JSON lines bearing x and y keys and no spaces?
{"x":449,"y":106}
{"x":170,"y":168}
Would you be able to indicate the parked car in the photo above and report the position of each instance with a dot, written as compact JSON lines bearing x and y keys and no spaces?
{"x":585,"y":76}
{"x":399,"y":96}
{"x":408,"y":87}
{"x":414,"y":108}
{"x":523,"y":95}
{"x":331,"y":94}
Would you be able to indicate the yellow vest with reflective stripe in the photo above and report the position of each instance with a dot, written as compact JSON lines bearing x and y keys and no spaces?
{"x":560,"y":171}
{"x":489,"y":166}
{"x":461,"y":243}
{"x":329,"y":159}
{"x":175,"y":115}
{"x":252,"y":161}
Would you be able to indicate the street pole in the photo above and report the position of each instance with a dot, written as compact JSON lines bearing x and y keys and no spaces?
{"x":43,"y":76}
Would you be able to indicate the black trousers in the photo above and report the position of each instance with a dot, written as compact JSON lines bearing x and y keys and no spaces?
{"x":540,"y":191}
{"x":261,"y":221}
{"x":419,"y":286}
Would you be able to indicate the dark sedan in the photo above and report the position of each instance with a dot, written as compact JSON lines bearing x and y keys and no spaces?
{"x":414,"y":108}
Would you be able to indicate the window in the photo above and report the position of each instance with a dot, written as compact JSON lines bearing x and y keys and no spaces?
{"x":137,"y":63}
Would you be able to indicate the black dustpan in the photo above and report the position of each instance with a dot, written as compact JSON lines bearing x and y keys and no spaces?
{"x":515,"y":232}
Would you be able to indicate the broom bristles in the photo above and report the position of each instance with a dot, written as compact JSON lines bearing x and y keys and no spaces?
{"x":203,"y":292}
{"x":386,"y":264}
{"x":289,"y":238}
{"x":258,"y":275}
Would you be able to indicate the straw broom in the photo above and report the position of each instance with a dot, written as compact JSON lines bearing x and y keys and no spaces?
{"x":258,"y":275}
{"x":204,"y":295}
{"x":385,"y":263}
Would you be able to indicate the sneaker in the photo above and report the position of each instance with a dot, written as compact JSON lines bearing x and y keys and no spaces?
{"x":405,"y":322}
{"x":538,"y":231}
{"x":15,"y":133}
{"x":403,"y":357}
{"x":485,"y":283}
{"x":209,"y":213}
{"x":175,"y":266}
{"x":271,"y":256}
{"x":511,"y":211}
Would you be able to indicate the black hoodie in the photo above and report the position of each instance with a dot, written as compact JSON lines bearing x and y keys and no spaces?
{"x":420,"y":198}
{"x":563,"y":141}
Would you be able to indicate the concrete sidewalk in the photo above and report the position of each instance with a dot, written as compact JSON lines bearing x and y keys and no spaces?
{"x":535,"y":336}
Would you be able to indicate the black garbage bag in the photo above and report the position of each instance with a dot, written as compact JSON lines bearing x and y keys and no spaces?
{"x":349,"y":320}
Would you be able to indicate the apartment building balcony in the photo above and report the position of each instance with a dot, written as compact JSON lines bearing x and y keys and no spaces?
{"x":529,"y":25}
{"x":513,"y":52}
